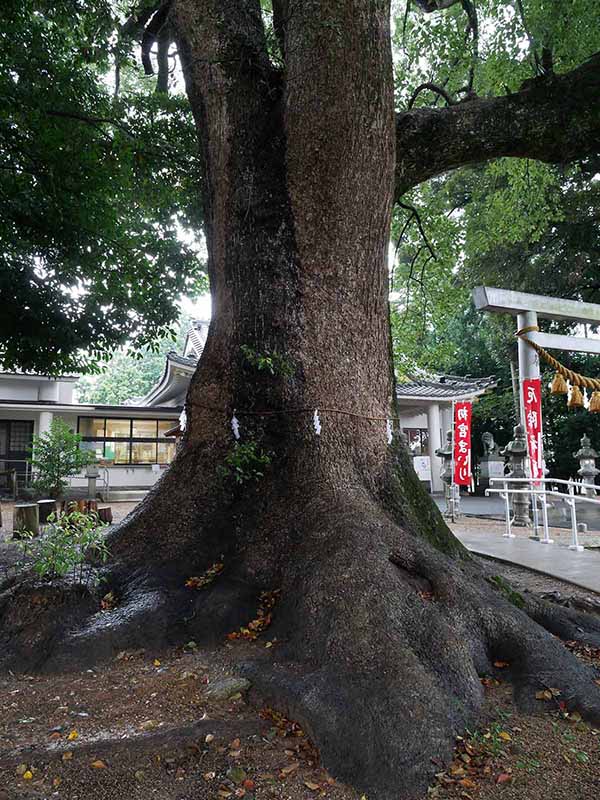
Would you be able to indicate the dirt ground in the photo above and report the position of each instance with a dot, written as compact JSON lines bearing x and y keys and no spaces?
{"x":144,"y":726}
{"x":115,"y":732}
{"x":119,"y":509}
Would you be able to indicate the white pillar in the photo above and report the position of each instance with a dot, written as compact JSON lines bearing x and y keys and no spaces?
{"x":447,"y":420}
{"x":44,"y":422}
{"x":434,"y":424}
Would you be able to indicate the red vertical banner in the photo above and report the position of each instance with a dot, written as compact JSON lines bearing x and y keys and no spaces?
{"x":462,"y":443}
{"x":532,"y":405}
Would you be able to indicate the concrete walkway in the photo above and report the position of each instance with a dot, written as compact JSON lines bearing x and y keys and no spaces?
{"x":493,"y":508}
{"x":580,"y":569}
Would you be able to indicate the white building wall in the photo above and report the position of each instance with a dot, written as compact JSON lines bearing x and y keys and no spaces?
{"x":412,"y":420}
{"x":65,"y":392}
{"x":48,"y":391}
{"x":18,"y":389}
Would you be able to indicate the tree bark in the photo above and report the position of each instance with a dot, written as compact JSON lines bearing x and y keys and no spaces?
{"x":384,"y":625}
{"x":554,"y":118}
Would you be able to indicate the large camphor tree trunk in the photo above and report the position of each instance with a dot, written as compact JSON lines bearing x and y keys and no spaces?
{"x":384,"y":624}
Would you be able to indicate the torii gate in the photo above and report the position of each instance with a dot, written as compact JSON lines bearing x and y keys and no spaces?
{"x":527,"y":308}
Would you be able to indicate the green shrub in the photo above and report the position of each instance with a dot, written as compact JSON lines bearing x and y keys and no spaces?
{"x":55,"y":455}
{"x":62,"y":550}
{"x":244,"y":463}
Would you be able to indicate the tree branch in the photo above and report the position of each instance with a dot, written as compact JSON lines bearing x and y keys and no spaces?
{"x":552,"y":119}
{"x":432,"y":87}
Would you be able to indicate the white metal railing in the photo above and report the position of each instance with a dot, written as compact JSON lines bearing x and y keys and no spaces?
{"x":570,"y":498}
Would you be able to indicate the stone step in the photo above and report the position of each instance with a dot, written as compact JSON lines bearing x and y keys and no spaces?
{"x":131,"y":495}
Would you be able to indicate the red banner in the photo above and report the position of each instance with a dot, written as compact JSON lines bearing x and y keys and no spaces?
{"x":462,"y":443}
{"x":532,"y":404}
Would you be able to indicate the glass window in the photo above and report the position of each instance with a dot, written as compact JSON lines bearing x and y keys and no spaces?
{"x":121,"y":451}
{"x":20,"y":435}
{"x":144,"y":429}
{"x":166,"y":452}
{"x":143,"y":452}
{"x":118,"y":428}
{"x":97,"y":448}
{"x":109,"y":451}
{"x":91,"y":426}
{"x":165,"y":425}
{"x":128,"y":441}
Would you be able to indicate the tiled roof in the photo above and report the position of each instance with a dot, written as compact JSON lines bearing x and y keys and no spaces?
{"x":445,"y":387}
{"x":186,"y":361}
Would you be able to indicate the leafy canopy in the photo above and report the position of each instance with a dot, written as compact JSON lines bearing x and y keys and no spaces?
{"x":127,"y":375}
{"x":96,"y":188}
{"x":515,"y":223}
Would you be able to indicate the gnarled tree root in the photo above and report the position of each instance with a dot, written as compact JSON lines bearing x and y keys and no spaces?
{"x":382,"y":642}
{"x":159,"y":742}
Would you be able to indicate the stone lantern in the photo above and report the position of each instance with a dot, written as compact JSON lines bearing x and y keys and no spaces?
{"x":451,"y":492}
{"x":587,"y":459}
{"x":516,"y":451}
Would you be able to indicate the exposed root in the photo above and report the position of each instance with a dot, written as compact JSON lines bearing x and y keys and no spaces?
{"x":157,"y":742}
{"x":382,"y":642}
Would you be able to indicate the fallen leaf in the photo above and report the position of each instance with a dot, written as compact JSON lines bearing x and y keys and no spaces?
{"x":574,"y":716}
{"x":314,"y":786}
{"x":504,"y":736}
{"x":67,"y":756}
{"x":235,"y":744}
{"x":248,"y":784}
{"x":21,"y":769}
{"x":467,"y":783}
{"x":501,"y":664}
{"x":56,"y":782}
{"x":504,"y":777}
{"x":139,"y":774}
{"x":27,"y":775}
{"x":209,"y":776}
{"x":98,"y":764}
{"x":72,"y":736}
{"x":209,"y":738}
{"x":236,"y":774}
{"x":156,"y":662}
{"x":545,"y":694}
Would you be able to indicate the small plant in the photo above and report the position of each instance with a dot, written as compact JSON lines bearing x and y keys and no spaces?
{"x":272,"y":362}
{"x":528,"y":764}
{"x":54,"y":456}
{"x":63,"y":549}
{"x":245,"y":463}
